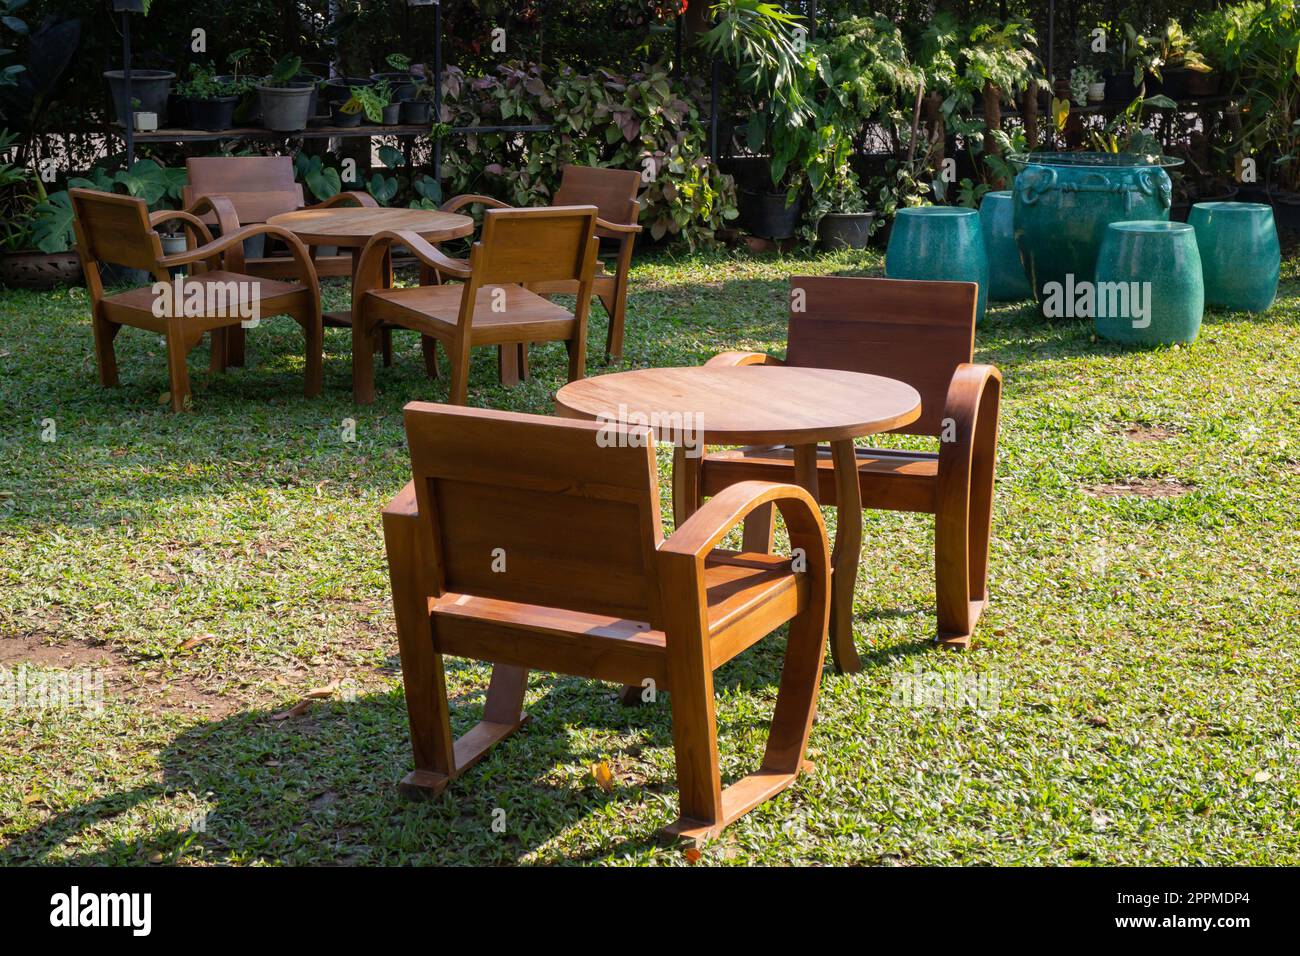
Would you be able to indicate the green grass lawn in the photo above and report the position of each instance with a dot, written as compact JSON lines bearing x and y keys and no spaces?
{"x":1138,"y":657}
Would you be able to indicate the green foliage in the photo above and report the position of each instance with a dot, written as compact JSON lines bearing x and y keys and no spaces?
{"x":17,"y":26}
{"x":644,"y":120}
{"x":202,"y":84}
{"x":322,"y":181}
{"x":370,"y":99}
{"x":159,"y":186}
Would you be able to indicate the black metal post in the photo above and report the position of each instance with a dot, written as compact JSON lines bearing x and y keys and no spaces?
{"x":677,"y":59}
{"x":713,"y":110}
{"x":1051,"y":39}
{"x":437,"y":88}
{"x":129,"y":119}
{"x":812,"y":19}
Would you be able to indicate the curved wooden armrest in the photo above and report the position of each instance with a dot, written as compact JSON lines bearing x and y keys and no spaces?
{"x":734,"y":359}
{"x":195,"y":227}
{"x":616,"y":228}
{"x":727,"y":509}
{"x":972,"y":405}
{"x":456,"y":203}
{"x":369,"y":272}
{"x":350,"y":198}
{"x":227,"y":219}
{"x":233,"y":243}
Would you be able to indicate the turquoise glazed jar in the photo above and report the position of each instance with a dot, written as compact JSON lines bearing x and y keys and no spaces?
{"x":1148,"y":288}
{"x":939,"y":242}
{"x":1065,"y":201}
{"x":1240,"y":256}
{"x":1007,"y":281}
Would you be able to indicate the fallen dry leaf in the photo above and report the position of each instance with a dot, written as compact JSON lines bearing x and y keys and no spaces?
{"x":692,"y":854}
{"x":1263,"y":776}
{"x":604,"y":776}
{"x":299,"y":708}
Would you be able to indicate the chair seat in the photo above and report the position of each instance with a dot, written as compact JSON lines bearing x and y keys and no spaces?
{"x":889,"y":480}
{"x":758,"y":589}
{"x":135,"y":307}
{"x":435,"y":310}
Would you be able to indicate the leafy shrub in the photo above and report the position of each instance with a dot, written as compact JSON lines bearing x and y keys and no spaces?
{"x":643,"y":120}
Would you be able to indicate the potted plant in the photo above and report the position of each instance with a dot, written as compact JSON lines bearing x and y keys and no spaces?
{"x":285,"y":102}
{"x":348,"y":113}
{"x":23,"y":264}
{"x":338,"y":89}
{"x":209,"y":100}
{"x":1085,"y":81}
{"x":402,"y":82}
{"x":418,"y":110}
{"x":376,"y":102}
{"x":1141,"y":63}
{"x":775,"y":66}
{"x":149,"y":92}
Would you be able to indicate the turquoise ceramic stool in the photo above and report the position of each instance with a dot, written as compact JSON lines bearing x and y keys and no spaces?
{"x":1149,"y":288}
{"x":939,"y":242}
{"x":1240,"y":256}
{"x":1007,"y":279}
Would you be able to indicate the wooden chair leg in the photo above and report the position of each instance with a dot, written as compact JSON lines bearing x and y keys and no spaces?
{"x":458,"y":355}
{"x":952,"y":574}
{"x":105,"y":357}
{"x":686,"y":485}
{"x":615,"y":307}
{"x":363,"y":363}
{"x":695,"y":747}
{"x":217,"y":361}
{"x":429,"y":346}
{"x":577,"y":357}
{"x":983,"y":465}
{"x":509,"y":364}
{"x":847,"y":554}
{"x":235,"y":346}
{"x":178,"y":373}
{"x":314,"y":332}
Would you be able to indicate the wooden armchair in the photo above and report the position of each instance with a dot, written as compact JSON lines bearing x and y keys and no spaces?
{"x":255,"y":188}
{"x":492,"y":306}
{"x":613,"y":192}
{"x":924,"y":334}
{"x":119,"y":229}
{"x":524,"y":542}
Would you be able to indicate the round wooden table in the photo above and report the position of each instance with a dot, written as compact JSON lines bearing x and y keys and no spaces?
{"x":761,"y":405}
{"x":351,"y":227}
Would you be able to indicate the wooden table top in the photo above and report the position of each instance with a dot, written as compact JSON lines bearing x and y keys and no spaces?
{"x":749,"y":405}
{"x":354,"y":226}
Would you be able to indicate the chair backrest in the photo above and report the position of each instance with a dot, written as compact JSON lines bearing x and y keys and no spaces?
{"x":113,"y":228}
{"x":612,"y":191}
{"x":259,"y":187}
{"x":537,"y":510}
{"x":912,"y":330}
{"x":541,"y":244}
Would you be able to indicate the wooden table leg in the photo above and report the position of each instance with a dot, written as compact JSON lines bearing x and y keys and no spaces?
{"x":686,"y":485}
{"x":844,"y":559}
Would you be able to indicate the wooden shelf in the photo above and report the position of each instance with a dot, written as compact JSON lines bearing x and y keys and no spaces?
{"x":314,"y":131}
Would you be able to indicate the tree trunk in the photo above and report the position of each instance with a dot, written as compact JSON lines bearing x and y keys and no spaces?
{"x":1030,"y":115}
{"x":992,"y":123}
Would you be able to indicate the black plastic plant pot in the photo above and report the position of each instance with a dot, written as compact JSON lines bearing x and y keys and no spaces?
{"x":415,"y":112}
{"x":149,"y":89}
{"x":392,"y":114}
{"x":212,"y":115}
{"x":342,"y":119}
{"x":402,"y":84}
{"x":765,"y":213}
{"x":128,"y":6}
{"x":847,"y":230}
{"x":339,"y":88}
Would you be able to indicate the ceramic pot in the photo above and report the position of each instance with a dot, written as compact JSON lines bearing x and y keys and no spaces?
{"x":1007,"y":282}
{"x":1065,"y":201}
{"x":286,"y":108}
{"x":150,"y":88}
{"x":1240,"y":256}
{"x":939,"y":242}
{"x":844,"y":230}
{"x":1149,"y":288}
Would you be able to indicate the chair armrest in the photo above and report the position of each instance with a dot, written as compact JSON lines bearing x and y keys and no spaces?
{"x":195,"y":227}
{"x":233,"y":243}
{"x":734,"y":359}
{"x":616,"y":228}
{"x":370,"y":262}
{"x":727,"y":509}
{"x":456,"y":203}
{"x":972,"y":405}
{"x":347,"y":198}
{"x":227,"y":219}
